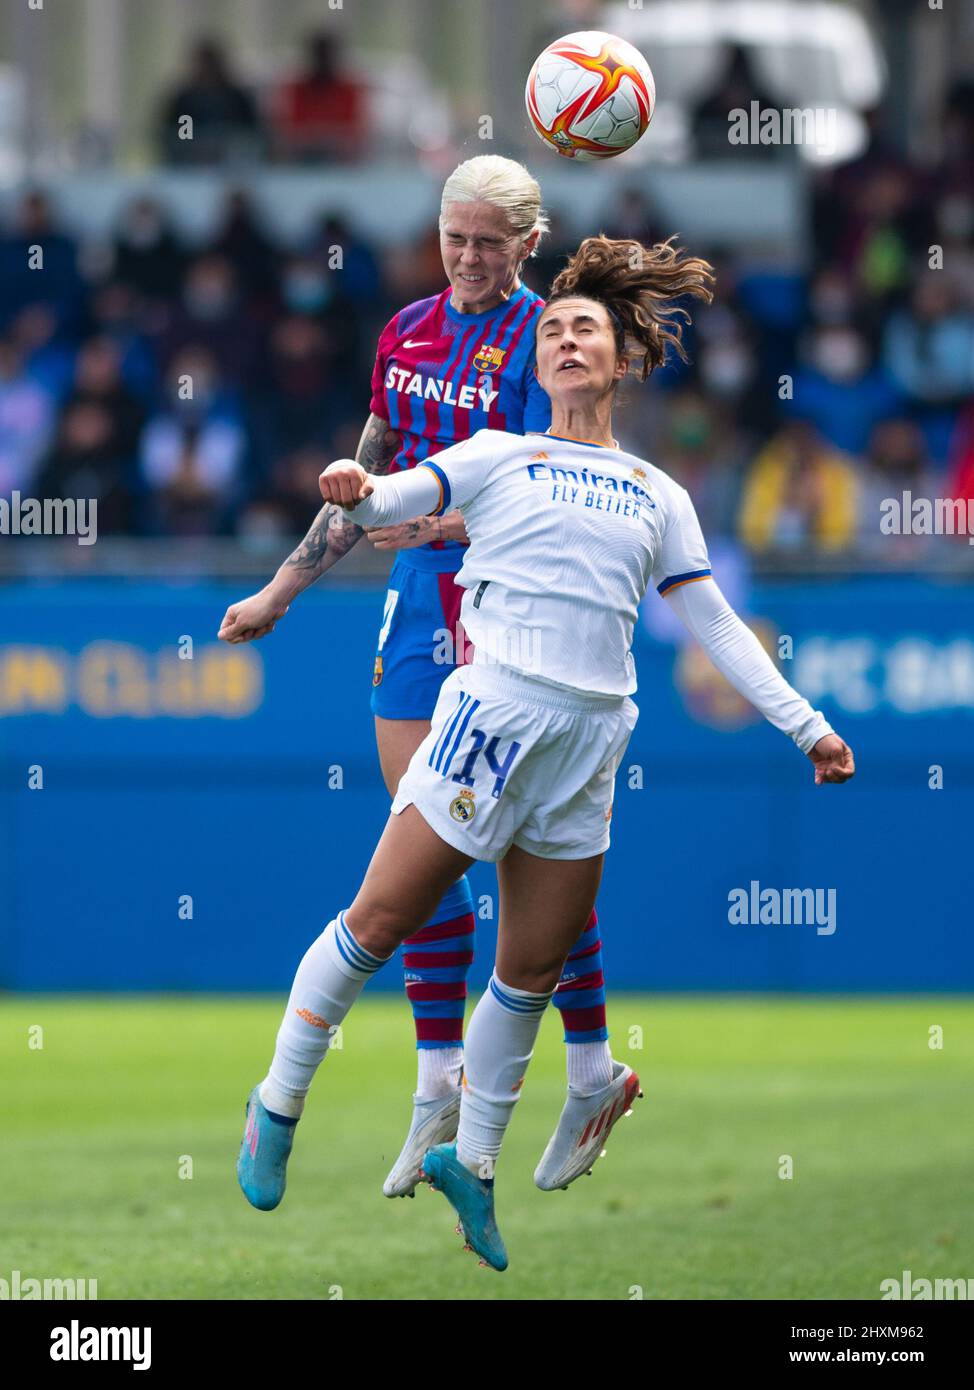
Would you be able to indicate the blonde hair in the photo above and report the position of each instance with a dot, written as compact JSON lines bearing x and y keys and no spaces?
{"x":505,"y":184}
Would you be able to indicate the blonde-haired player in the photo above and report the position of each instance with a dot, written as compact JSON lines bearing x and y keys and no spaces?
{"x":446,"y":367}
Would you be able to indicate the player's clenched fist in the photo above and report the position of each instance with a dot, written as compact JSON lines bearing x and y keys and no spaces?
{"x":833,"y":760}
{"x":345,"y":483}
{"x":252,"y":618}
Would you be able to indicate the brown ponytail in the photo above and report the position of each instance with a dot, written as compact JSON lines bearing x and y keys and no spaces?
{"x":636,"y":284}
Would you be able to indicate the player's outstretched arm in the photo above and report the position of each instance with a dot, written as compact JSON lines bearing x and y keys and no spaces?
{"x":381,"y":501}
{"x":331,"y":535}
{"x":738,"y":655}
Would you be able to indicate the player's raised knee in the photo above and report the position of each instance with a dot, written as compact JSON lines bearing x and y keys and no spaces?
{"x":379,"y":926}
{"x":537,"y":977}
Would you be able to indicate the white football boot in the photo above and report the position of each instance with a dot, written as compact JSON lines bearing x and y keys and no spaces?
{"x":434,"y":1122}
{"x":584,"y":1127}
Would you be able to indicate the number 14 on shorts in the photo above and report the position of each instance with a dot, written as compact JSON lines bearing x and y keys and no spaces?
{"x":489,"y":747}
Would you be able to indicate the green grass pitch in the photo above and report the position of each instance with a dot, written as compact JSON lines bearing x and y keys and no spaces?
{"x":688,"y":1202}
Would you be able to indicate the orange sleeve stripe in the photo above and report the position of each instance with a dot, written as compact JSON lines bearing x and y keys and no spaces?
{"x":439,"y":483}
{"x":678,"y":581}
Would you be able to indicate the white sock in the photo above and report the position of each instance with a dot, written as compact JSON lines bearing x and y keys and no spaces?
{"x":438,"y":1071}
{"x":589,"y":1067}
{"x":328,"y":982}
{"x":499,"y":1043}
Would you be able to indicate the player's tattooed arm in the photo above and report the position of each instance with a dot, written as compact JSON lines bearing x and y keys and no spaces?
{"x":330,"y":536}
{"x":420,"y":531}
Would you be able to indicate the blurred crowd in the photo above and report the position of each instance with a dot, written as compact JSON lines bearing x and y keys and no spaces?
{"x":320,"y":112}
{"x":812,"y":395}
{"x":199,"y":390}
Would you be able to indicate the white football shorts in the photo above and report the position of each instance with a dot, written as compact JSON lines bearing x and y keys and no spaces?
{"x":510,"y":760}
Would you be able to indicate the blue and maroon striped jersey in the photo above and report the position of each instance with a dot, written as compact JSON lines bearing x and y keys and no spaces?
{"x":440,"y":376}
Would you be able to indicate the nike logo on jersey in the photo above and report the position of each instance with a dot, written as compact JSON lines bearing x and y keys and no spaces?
{"x":435,"y":389}
{"x":408,"y":342}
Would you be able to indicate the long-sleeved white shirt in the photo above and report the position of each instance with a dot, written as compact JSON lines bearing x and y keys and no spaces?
{"x":565,"y":538}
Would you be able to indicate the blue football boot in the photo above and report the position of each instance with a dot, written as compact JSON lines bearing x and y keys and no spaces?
{"x":473,"y":1200}
{"x":264,"y":1152}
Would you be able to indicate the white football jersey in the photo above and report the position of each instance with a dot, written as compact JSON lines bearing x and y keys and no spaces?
{"x":565,"y":539}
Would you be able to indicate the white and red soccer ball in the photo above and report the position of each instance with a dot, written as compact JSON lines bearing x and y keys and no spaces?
{"x":590,"y":95}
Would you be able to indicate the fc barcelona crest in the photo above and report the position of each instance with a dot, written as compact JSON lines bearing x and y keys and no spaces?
{"x":489,"y":359}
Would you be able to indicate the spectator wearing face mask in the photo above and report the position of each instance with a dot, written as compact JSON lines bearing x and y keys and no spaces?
{"x":314,"y":290}
{"x":800,"y":493}
{"x":147,"y":254}
{"x":834,"y":300}
{"x":742,"y":341}
{"x":839,"y":392}
{"x":361,"y":279}
{"x":193,"y":452}
{"x":929,"y":349}
{"x":307,"y":286}
{"x":728,"y":370}
{"x":929,"y":352}
{"x":212,"y":314}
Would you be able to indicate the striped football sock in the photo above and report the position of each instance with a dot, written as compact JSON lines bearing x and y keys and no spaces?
{"x":436,"y":960}
{"x":500,"y":1040}
{"x":328,"y":982}
{"x":580,"y":996}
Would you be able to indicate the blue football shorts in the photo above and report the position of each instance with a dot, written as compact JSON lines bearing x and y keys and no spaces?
{"x":421,"y":640}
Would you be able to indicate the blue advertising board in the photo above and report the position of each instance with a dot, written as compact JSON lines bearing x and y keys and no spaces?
{"x":177,"y":814}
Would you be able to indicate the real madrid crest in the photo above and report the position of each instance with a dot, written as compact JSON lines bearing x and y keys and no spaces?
{"x":463,"y":807}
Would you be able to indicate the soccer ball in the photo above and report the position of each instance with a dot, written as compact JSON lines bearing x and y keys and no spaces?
{"x":590,"y":95}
